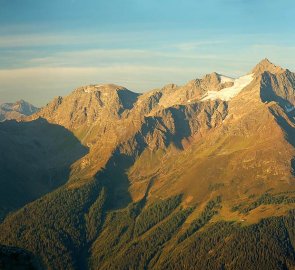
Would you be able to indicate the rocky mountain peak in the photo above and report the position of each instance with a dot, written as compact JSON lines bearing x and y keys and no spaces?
{"x":266,"y":65}
{"x":24,"y":107}
{"x":216,"y":81}
{"x":212,"y":78}
{"x":16,"y":110}
{"x":168,"y":87}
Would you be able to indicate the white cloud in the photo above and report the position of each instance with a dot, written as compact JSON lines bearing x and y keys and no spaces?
{"x":194,"y":45}
{"x":31,"y":40}
{"x":105,"y":57}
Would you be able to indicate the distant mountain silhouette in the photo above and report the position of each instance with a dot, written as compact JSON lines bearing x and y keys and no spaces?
{"x":17,"y":110}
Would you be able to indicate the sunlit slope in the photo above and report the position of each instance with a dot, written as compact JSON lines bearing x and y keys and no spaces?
{"x":180,"y":139}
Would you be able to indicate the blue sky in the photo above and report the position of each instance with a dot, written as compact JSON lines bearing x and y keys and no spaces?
{"x":48,"y":48}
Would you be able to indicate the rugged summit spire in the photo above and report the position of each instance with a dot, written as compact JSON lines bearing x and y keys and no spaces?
{"x":266,"y":65}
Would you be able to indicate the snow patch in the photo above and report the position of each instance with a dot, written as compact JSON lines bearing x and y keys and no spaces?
{"x":225,"y":79}
{"x":289,"y":108}
{"x":230,"y":92}
{"x":92,"y":88}
{"x":88,"y":90}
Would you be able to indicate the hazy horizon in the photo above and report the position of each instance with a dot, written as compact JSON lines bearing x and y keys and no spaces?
{"x":50,"y":48}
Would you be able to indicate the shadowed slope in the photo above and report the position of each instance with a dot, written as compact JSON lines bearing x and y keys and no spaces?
{"x":12,"y":258}
{"x":35,"y":159}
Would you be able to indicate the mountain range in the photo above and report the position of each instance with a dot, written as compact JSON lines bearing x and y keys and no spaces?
{"x":199,"y":176}
{"x":17,"y":110}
